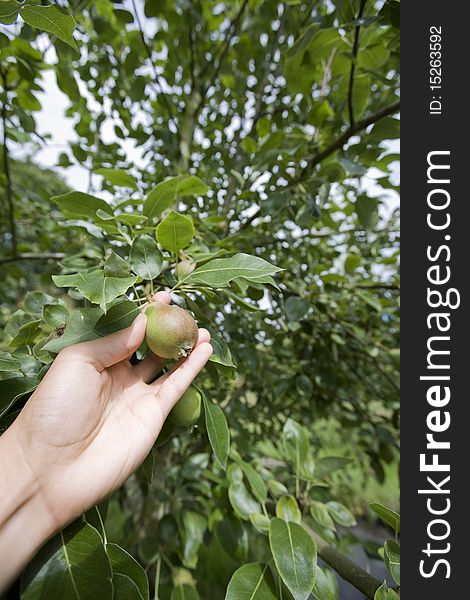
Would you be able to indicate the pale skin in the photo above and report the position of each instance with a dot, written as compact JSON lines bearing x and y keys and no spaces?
{"x":88,"y":426}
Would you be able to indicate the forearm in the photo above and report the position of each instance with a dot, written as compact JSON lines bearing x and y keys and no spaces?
{"x":25,"y":522}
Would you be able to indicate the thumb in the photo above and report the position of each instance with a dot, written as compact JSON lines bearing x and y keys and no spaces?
{"x":111,"y":349}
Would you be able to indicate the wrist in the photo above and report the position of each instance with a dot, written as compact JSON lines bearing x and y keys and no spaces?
{"x":25,"y":521}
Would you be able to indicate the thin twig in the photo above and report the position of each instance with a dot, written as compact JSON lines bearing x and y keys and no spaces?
{"x":6,"y":171}
{"x":308,"y":14}
{"x":32,"y":256}
{"x":192,"y":53}
{"x":355,"y":51}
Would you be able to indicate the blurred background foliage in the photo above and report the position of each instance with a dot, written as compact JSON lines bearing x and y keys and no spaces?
{"x":287,"y":111}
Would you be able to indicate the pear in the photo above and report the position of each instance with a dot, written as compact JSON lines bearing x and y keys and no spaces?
{"x":188,"y":408}
{"x":171,"y":331}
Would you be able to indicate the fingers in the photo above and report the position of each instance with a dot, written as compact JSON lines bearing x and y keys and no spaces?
{"x":152,"y":364}
{"x":111,"y":349}
{"x":158,"y":297}
{"x":162,"y":297}
{"x":175,"y":383}
{"x":149,"y":367}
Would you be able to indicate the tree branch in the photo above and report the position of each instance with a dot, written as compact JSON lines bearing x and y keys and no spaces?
{"x":341,"y":141}
{"x":360,"y":579}
{"x":6,"y":171}
{"x":192,"y":52}
{"x":308,"y":14}
{"x":355,"y":51}
{"x":336,"y":145}
{"x":33,"y":256}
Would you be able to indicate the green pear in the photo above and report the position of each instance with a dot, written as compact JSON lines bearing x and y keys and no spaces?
{"x":187,"y":410}
{"x":171,"y":331}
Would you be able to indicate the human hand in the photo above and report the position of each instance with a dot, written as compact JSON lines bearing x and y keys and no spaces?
{"x":93,"y":418}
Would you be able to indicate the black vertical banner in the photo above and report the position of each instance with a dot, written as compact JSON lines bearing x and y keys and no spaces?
{"x":435,"y":318}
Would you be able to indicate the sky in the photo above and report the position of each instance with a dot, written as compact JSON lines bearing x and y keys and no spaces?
{"x":51,"y":120}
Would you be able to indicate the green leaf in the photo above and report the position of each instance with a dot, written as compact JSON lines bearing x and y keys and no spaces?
{"x":145,"y":258}
{"x":73,"y":564}
{"x":54,"y":314}
{"x":392,"y":559}
{"x":256,"y":482}
{"x":260,"y":522}
{"x":387,"y":515}
{"x":8,"y":362}
{"x":221,"y":271}
{"x":329,"y":464}
{"x":385,"y":593}
{"x":362,"y":85}
{"x":341,"y":514}
{"x":241,"y":301}
{"x":79,"y":328}
{"x":253,"y":581}
{"x":295,"y":555}
{"x":35,"y":301}
{"x":303,"y":42}
{"x":221,"y":352}
{"x":13,"y":389}
{"x":367,"y":211}
{"x":28,"y":101}
{"x":373,"y":57}
{"x":26,"y":334}
{"x":321,"y":515}
{"x":116,"y":266}
{"x":386,"y":129}
{"x":161,"y":197}
{"x":53,"y":19}
{"x":277,"y":488}
{"x":296,"y":308}
{"x":117,"y":177}
{"x":184,"y":592}
{"x":87,"y":324}
{"x":233,"y":537}
{"x":326,"y":585}
{"x":9,"y":11}
{"x":194,"y":526}
{"x":124,"y":564}
{"x":191,"y":186}
{"x":288,"y":509}
{"x":130,"y":220}
{"x":77,"y":205}
{"x":352,"y":262}
{"x":295,"y":442}
{"x":147,"y":468}
{"x":164,"y":195}
{"x":370,"y":300}
{"x":242,"y":501}
{"x":125,"y":588}
{"x":95,"y":286}
{"x":217,"y":431}
{"x":175,"y":231}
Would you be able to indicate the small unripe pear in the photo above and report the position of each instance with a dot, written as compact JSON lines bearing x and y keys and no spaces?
{"x":187,"y":410}
{"x":171,"y":331}
{"x":184,"y":267}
